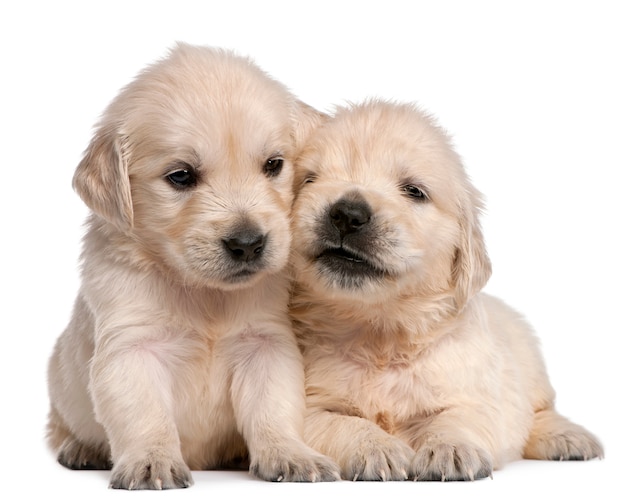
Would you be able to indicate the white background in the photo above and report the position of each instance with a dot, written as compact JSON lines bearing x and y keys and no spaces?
{"x":532,"y":92}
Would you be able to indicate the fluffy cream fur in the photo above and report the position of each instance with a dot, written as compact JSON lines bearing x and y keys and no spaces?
{"x":180,"y":352}
{"x":411,"y":372}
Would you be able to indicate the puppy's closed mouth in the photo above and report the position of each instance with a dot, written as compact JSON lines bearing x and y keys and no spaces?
{"x":341,"y":253}
{"x":242,"y":275}
{"x":345,"y":262}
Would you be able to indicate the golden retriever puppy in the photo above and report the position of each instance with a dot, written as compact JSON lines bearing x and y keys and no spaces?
{"x":411,"y":372}
{"x":180,"y":352}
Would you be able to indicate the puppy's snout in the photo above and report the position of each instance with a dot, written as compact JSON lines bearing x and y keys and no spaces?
{"x":349,"y":216}
{"x":245,"y":245}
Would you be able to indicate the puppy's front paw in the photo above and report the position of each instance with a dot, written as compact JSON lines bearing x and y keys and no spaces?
{"x":378,"y":458}
{"x":451,"y":462}
{"x":297,"y":464}
{"x":154,"y":471}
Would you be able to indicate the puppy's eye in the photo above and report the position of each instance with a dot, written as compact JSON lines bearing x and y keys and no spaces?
{"x":273,"y":166}
{"x":415,"y":192}
{"x":183,"y":178}
{"x":309,"y":178}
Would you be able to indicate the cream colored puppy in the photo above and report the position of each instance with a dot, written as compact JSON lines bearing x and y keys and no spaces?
{"x":180,"y":352}
{"x":411,"y":372}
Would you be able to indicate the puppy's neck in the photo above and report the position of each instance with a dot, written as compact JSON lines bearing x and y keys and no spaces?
{"x":407,"y":324}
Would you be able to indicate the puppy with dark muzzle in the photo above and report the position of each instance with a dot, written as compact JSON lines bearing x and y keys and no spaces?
{"x":180,"y":354}
{"x":411,"y":371}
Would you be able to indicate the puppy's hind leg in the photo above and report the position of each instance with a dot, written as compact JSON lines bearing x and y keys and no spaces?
{"x":74,"y":453}
{"x":553,"y":437}
{"x":72,"y":432}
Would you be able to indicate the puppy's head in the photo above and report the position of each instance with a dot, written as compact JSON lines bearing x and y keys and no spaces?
{"x":385,"y":209}
{"x":192,"y":164}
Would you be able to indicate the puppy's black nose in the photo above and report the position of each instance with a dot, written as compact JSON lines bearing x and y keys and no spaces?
{"x":349,"y":216}
{"x":245,"y":245}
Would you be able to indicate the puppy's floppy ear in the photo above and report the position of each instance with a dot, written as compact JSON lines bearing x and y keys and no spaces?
{"x":101,"y":178}
{"x":471,"y":268}
{"x":305,"y":120}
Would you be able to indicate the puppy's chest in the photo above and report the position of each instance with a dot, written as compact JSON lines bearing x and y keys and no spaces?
{"x":197,"y":338}
{"x":392,"y":393}
{"x":387,"y":391}
{"x":212,"y":319}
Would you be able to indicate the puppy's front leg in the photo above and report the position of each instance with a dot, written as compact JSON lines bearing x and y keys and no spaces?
{"x":131,"y":386}
{"x":268,"y":398}
{"x":364,"y":451}
{"x":453,"y":445}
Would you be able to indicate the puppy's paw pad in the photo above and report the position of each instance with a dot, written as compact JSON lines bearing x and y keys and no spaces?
{"x":151,"y":473}
{"x":451,"y":462}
